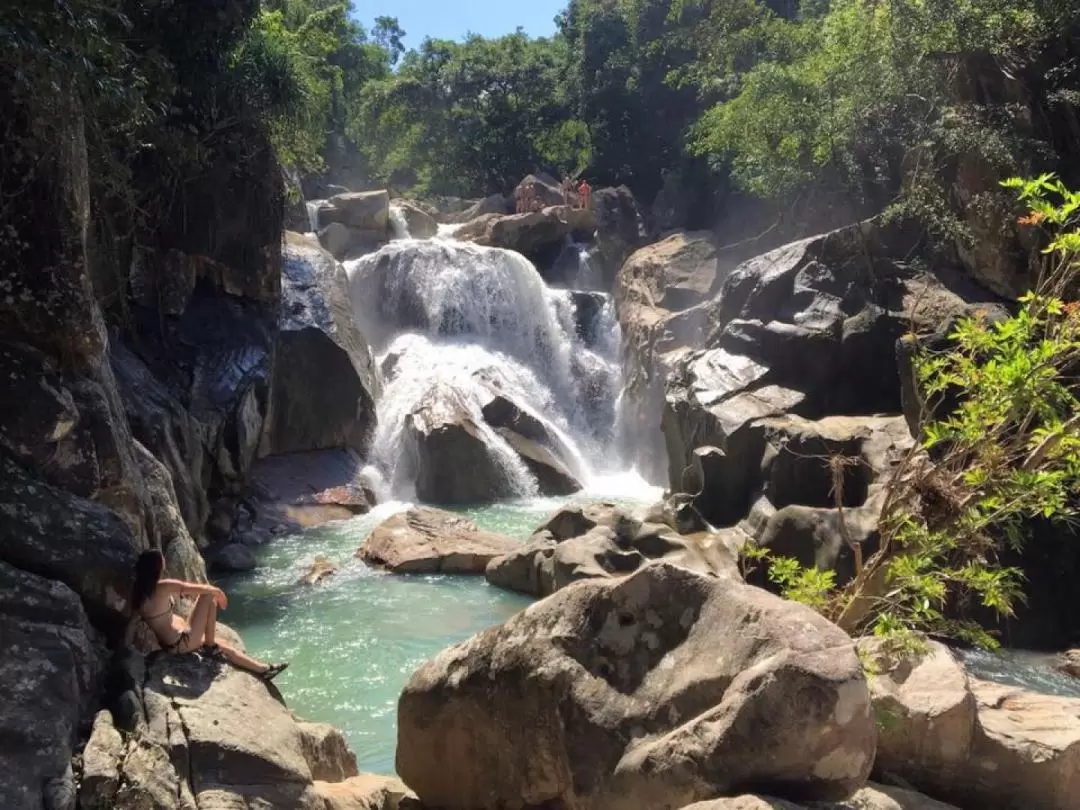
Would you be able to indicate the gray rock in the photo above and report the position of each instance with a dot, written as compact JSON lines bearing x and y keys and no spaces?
{"x":601,"y":541}
{"x":326,"y":752}
{"x":233,"y":557}
{"x":421,"y":224}
{"x":451,"y":463}
{"x":871,"y":797}
{"x":651,"y":691}
{"x":425,"y":540}
{"x":657,"y":293}
{"x":975,"y":743}
{"x":362,"y":210}
{"x":50,"y":674}
{"x":534,"y":234}
{"x":167,"y":529}
{"x":492,"y":204}
{"x":101,"y":765}
{"x":620,"y":228}
{"x":325,"y":381}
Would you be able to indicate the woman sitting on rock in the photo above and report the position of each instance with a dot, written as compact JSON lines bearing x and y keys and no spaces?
{"x":154,"y":598}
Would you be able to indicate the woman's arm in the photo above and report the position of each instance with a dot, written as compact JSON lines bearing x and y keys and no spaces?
{"x":180,"y":587}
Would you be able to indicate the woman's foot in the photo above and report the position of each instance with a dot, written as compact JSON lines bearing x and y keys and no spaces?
{"x":272,"y":671}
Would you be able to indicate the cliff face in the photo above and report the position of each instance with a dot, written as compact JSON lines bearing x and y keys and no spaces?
{"x":138,"y":319}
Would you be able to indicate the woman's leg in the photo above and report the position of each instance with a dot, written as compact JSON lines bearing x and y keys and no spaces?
{"x":239,"y":659}
{"x":203,"y":616}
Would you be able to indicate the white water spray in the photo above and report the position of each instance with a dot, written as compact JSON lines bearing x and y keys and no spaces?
{"x":476,"y":320}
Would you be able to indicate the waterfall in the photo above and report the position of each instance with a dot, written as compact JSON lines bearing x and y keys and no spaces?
{"x":313,"y":215}
{"x":478,"y":319}
{"x":399,"y":226}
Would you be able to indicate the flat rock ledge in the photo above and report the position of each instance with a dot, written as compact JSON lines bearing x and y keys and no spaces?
{"x":424,"y":540}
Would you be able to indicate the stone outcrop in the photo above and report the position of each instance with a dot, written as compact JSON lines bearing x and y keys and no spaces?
{"x":620,"y":228}
{"x":976,"y":743}
{"x":652,"y":691}
{"x":202,"y":734}
{"x":810,"y":489}
{"x":602,"y":541}
{"x":659,"y":291}
{"x":325,"y":381}
{"x":544,"y":189}
{"x":427,"y":541}
{"x":803,"y":330}
{"x":1069,"y":663}
{"x":539,"y":235}
{"x":450,"y":460}
{"x":320,"y":569}
{"x":492,"y":204}
{"x":367,"y":211}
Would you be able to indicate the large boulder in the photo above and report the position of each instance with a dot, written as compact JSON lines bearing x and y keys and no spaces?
{"x":652,"y":691}
{"x":492,"y":204}
{"x":972,"y":742}
{"x":50,"y":674}
{"x":450,"y":458}
{"x":809,"y":329}
{"x":539,"y":235}
{"x":659,"y":293}
{"x":425,"y":541}
{"x":548,"y":457}
{"x":543,"y":188}
{"x":421,"y":224}
{"x":809,"y":489}
{"x":204,"y":734}
{"x":367,"y":211}
{"x":602,"y":541}
{"x":620,"y":228}
{"x":325,"y":381}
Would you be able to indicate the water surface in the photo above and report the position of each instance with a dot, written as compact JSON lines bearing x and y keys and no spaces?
{"x":353,"y":640}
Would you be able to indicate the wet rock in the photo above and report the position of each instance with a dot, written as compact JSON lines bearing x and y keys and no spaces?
{"x":421,"y":223}
{"x":972,"y":742}
{"x":553,"y":476}
{"x":361,"y":210}
{"x":233,"y":557}
{"x":601,"y":541}
{"x":451,"y":462}
{"x":1069,"y":663}
{"x":325,"y":381}
{"x":681,"y":688}
{"x":162,"y":280}
{"x":50,"y":674}
{"x":321,"y":569}
{"x":336,"y":239}
{"x":587,"y":307}
{"x":425,"y":540}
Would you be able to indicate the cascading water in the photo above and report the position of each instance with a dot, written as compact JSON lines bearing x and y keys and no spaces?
{"x":313,"y":215}
{"x":478,"y":319}
{"x":399,"y":226}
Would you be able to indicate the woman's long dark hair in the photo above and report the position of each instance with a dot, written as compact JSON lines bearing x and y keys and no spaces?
{"x":148,"y":570}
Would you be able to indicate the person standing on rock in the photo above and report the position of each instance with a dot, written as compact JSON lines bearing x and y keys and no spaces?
{"x":585,"y":194}
{"x":153,"y":600}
